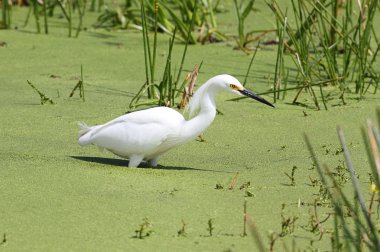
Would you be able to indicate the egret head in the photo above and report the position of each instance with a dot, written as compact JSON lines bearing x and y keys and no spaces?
{"x":231,"y":84}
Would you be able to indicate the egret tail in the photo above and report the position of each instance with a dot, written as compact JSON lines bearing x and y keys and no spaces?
{"x":84,"y":138}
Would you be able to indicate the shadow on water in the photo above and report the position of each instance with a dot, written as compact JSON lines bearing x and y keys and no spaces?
{"x":124,"y":163}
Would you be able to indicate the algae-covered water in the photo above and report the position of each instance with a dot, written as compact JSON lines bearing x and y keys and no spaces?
{"x":58,"y":196}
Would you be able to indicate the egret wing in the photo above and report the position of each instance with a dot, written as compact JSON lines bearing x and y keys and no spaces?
{"x":144,"y":132}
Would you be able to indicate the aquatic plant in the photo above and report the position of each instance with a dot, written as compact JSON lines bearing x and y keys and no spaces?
{"x":291,"y":176}
{"x":328,"y":48}
{"x":242,"y":13}
{"x":6,"y":15}
{"x":365,"y":234}
{"x":164,"y":92}
{"x":182,"y":231}
{"x":210,"y":226}
{"x":43,"y":97}
{"x":79,"y":85}
{"x":166,"y":16}
{"x":144,"y":230}
{"x":46,"y":8}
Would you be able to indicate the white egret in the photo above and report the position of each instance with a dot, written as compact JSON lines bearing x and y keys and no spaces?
{"x":147,"y":134}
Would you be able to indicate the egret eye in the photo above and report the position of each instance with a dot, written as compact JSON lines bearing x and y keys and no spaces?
{"x":233,"y":86}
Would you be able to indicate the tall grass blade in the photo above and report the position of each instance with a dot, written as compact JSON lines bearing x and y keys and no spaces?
{"x":358,"y":193}
{"x":45,"y":17}
{"x":250,"y":64}
{"x":6,"y":14}
{"x":187,"y":41}
{"x":147,"y":55}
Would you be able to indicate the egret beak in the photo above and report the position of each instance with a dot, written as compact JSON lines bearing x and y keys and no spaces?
{"x":248,"y":93}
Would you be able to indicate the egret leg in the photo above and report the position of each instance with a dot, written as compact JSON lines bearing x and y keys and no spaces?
{"x":135,"y":160}
{"x":154,"y":161}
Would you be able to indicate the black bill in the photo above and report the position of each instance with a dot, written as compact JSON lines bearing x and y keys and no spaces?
{"x":248,"y":93}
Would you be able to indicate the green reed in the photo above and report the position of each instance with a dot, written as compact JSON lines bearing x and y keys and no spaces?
{"x":242,"y":13}
{"x":6,"y":15}
{"x":325,"y":42}
{"x":165,"y":91}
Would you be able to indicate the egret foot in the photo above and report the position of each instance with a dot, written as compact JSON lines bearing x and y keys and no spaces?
{"x":154,"y":162}
{"x":135,"y":160}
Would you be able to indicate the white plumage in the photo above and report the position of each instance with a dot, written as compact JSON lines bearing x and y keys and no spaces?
{"x":146,"y":134}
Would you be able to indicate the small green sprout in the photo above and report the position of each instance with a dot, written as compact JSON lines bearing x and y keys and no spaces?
{"x":4,"y":239}
{"x":44,"y":98}
{"x":79,"y":85}
{"x":287,"y":223}
{"x":291,"y":176}
{"x":219,"y":186}
{"x":210,"y":226}
{"x":144,"y":230}
{"x":182,"y":231}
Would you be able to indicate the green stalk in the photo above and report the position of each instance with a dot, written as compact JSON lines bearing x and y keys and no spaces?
{"x":364,"y":43}
{"x":45,"y":17}
{"x":187,"y":42}
{"x":279,"y":60}
{"x":334,"y":11}
{"x":250,"y":64}
{"x":100,"y":4}
{"x":240,"y":25}
{"x":28,"y":15}
{"x":6,"y":14}
{"x":82,"y":82}
{"x":92,"y":6}
{"x":69,"y":6}
{"x":212,"y":15}
{"x":153,"y":66}
{"x":81,"y":15}
{"x":36,"y":15}
{"x":166,"y":85}
{"x":146,"y":51}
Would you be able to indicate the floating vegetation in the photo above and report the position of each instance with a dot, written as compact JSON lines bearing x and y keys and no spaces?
{"x":210,"y":226}
{"x":365,"y":234}
{"x":4,"y":240}
{"x":182,"y":231}
{"x":287,"y":223}
{"x":79,"y":85}
{"x":144,"y":230}
{"x":219,"y":186}
{"x":291,"y":176}
{"x":44,"y":98}
{"x":315,"y":223}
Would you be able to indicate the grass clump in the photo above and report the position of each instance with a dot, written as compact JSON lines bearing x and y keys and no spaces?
{"x":330,"y":49}
{"x":164,"y":92}
{"x":166,"y":16}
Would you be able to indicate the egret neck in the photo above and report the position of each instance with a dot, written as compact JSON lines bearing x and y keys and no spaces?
{"x":202,"y":101}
